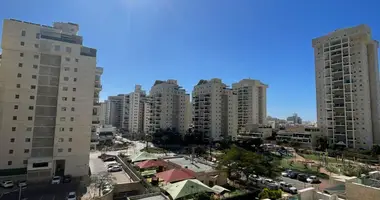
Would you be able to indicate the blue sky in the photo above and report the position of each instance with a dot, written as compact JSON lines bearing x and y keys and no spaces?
{"x":139,"y":41}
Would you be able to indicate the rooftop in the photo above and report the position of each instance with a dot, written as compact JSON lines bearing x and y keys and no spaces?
{"x":194,"y":165}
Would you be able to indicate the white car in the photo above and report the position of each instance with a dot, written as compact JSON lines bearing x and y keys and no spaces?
{"x":113,"y":164}
{"x":71,"y":196}
{"x":313,"y":179}
{"x":7,"y":184}
{"x":115,"y":169}
{"x":56,"y":180}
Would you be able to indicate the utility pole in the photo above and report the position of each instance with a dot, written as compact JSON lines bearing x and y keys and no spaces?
{"x":19,"y":193}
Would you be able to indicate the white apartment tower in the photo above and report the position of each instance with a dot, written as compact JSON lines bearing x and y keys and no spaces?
{"x":168,"y":103}
{"x":46,"y":100}
{"x":347,"y":83}
{"x":214,"y":110}
{"x":251,"y":102}
{"x":96,"y":111}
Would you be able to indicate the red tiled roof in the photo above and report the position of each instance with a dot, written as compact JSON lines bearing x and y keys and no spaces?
{"x":176,"y":175}
{"x":152,"y":163}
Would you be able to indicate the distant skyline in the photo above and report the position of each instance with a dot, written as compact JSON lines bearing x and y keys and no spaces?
{"x":140,"y":41}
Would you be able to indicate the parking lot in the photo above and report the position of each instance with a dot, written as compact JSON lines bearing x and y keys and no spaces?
{"x":42,"y":192}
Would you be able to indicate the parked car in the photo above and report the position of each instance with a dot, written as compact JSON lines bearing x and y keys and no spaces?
{"x":113,"y":164}
{"x":67,"y":178}
{"x":7,"y":184}
{"x":56,"y":180}
{"x":293,"y":175}
{"x":269,"y":183}
{"x":286,"y":187}
{"x":286,"y":173}
{"x":22,"y":184}
{"x":106,"y":190}
{"x":115,"y":169}
{"x":313,"y":179}
{"x":71,"y":196}
{"x":302,"y":177}
{"x":109,"y":158}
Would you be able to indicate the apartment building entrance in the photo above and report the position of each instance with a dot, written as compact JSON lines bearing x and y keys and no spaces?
{"x":60,"y":167}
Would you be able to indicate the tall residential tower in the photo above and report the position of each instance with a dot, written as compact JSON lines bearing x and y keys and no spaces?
{"x":347,"y":83}
{"x":47,"y":97}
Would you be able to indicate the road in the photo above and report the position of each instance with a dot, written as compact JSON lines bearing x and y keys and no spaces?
{"x":43,"y":192}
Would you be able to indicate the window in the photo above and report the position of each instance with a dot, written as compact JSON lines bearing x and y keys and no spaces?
{"x":72,"y":109}
{"x":74,"y":89}
{"x":60,"y":140}
{"x":12,"y":140}
{"x":71,"y":129}
{"x":19,"y":75}
{"x":36,"y":46}
{"x":18,"y":86}
{"x":15,"y":107}
{"x":13,"y":129}
{"x":34,"y":76}
{"x":65,"y":78}
{"x":61,"y":129}
{"x":22,"y":43}
{"x":65,"y":88}
{"x":23,"y":33}
{"x":63,"y":109}
{"x":73,"y":99}
{"x":62,"y":119}
{"x":10,"y":151}
{"x":20,"y":65}
{"x":57,"y":48}
{"x":38,"y":35}
{"x":31,"y":107}
{"x":30,"y":118}
{"x":26,"y":150}
{"x":75,"y":69}
{"x":35,"y":66}
{"x":67,"y":59}
{"x":31,"y":97}
{"x":21,"y":54}
{"x":17,"y":96}
{"x":14,"y":117}
{"x":64,"y":98}
{"x":72,"y":119}
{"x":67,"y":69}
{"x":69,"y":150}
{"x":27,"y":139}
{"x":75,"y":79}
{"x":29,"y":129}
{"x":76,"y":60}
{"x":33,"y":87}
{"x":25,"y":162}
{"x":60,"y":150}
{"x":68,"y":49}
{"x":9,"y":162}
{"x":36,"y":56}
{"x":70,"y":139}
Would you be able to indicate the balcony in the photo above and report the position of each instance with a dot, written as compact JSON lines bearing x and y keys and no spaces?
{"x":95,"y":122}
{"x":97,"y":104}
{"x":337,"y":79}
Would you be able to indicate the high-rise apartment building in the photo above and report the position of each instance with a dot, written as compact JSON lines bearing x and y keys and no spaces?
{"x":251,"y":102}
{"x":46,"y":100}
{"x":347,"y":86}
{"x":214,"y":110}
{"x":96,"y":111}
{"x":168,"y":107}
{"x":127,"y":110}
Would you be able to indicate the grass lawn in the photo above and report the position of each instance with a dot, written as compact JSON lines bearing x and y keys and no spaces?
{"x":153,"y":150}
{"x":296,"y":166}
{"x":318,"y":158}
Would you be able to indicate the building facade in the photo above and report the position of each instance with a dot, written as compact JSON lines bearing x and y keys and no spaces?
{"x":47,"y":92}
{"x":251,"y":102}
{"x":347,"y":87}
{"x":214,"y":110}
{"x":168,"y":103}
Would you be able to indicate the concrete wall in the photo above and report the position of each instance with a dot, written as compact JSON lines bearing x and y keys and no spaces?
{"x":355,"y":191}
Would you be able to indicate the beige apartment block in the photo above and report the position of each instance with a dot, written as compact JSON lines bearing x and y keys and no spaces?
{"x":214,"y":110}
{"x":347,"y":86}
{"x":168,"y":107}
{"x":251,"y":102}
{"x":47,"y":92}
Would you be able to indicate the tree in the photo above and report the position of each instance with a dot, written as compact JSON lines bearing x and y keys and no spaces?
{"x":102,"y":179}
{"x":270,"y":194}
{"x":322,"y":144}
{"x":240,"y":161}
{"x":375,"y":150}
